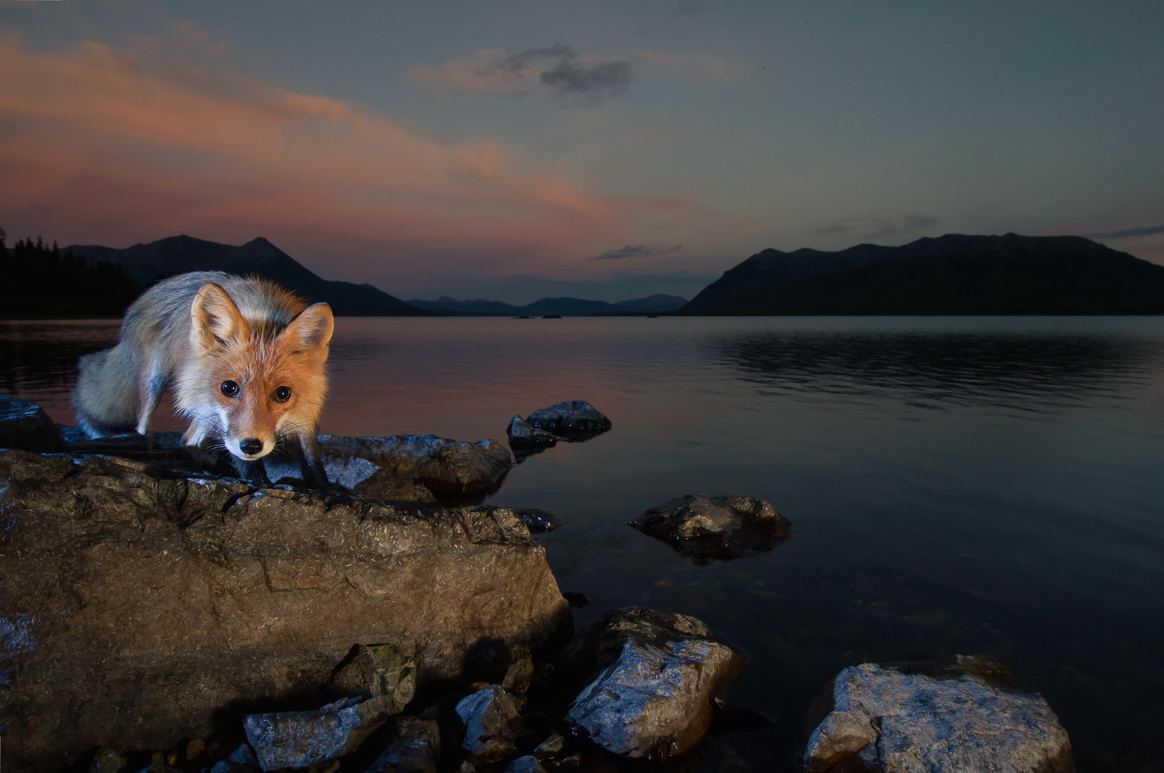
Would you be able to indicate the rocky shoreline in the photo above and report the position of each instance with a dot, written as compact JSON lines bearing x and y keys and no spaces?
{"x":159,"y":614}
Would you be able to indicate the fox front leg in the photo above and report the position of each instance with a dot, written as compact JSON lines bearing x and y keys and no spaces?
{"x":251,"y":470}
{"x":311,"y":462}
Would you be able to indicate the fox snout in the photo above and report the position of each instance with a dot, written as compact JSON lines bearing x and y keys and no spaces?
{"x":249,"y":448}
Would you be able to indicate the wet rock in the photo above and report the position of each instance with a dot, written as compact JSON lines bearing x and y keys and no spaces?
{"x":538,"y":521}
{"x":522,"y":433}
{"x":140,"y":607}
{"x":297,"y":739}
{"x":25,"y":425}
{"x":887,"y":720}
{"x":572,"y":420}
{"x":705,"y":528}
{"x":414,"y":747}
{"x":492,"y":724}
{"x":551,"y":747}
{"x":520,"y":672}
{"x":659,"y":675}
{"x":379,"y":672}
{"x":526,"y":764}
{"x":439,"y":464}
{"x":383,"y":484}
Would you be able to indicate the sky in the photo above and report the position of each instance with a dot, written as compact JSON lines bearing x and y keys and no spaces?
{"x":604,"y":150}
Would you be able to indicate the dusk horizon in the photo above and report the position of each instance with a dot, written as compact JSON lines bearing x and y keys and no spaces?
{"x":602,"y":152}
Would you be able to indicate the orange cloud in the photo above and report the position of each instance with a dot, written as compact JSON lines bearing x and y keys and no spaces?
{"x":98,"y":144}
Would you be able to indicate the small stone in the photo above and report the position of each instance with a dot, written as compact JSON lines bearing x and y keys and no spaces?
{"x":572,"y":420}
{"x":243,"y":755}
{"x":297,"y":739}
{"x":26,"y":426}
{"x":521,"y":433}
{"x":705,"y":528}
{"x":414,"y":747}
{"x":538,"y":521}
{"x":653,"y":696}
{"x":194,"y":749}
{"x":551,"y":747}
{"x":107,"y":760}
{"x":520,"y":672}
{"x":492,"y":723}
{"x":526,"y":764}
{"x":380,"y":672}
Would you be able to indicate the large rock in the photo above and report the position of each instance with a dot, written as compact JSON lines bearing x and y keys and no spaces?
{"x":296,"y":739}
{"x":659,"y":675}
{"x":25,"y":425}
{"x":380,"y":672}
{"x":572,"y":420}
{"x":705,"y":528}
{"x":138,"y":605}
{"x":441,"y":465}
{"x":900,"y":723}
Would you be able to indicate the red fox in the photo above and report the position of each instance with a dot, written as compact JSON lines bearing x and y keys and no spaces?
{"x":246,"y":360}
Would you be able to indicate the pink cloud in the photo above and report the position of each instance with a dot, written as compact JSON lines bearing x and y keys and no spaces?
{"x":101,"y":145}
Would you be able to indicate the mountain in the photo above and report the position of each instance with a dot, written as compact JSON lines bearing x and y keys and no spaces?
{"x":565,"y":307}
{"x":146,"y":263}
{"x":952,"y":274}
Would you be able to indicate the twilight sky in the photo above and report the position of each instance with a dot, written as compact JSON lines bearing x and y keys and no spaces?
{"x":606,"y":150}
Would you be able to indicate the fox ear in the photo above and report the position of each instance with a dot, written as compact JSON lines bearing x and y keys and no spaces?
{"x":312,"y":329}
{"x":217,"y":320}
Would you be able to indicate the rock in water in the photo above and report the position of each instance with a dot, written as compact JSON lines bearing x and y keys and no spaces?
{"x":137,"y":606}
{"x":521,"y":433}
{"x":705,"y":528}
{"x":296,"y":739}
{"x":441,"y":465}
{"x":901,"y":723}
{"x":572,"y":420}
{"x":492,"y":724}
{"x":660,"y":673}
{"x":25,"y":425}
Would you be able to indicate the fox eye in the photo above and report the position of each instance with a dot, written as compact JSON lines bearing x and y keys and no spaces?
{"x":282,"y":394}
{"x":230,"y":389}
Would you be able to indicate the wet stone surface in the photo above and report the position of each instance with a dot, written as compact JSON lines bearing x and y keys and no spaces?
{"x":706,"y":528}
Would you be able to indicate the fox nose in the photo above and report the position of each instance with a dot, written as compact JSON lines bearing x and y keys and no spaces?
{"x":251,"y":445}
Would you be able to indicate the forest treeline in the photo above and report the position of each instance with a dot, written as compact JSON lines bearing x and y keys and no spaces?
{"x":39,"y":281}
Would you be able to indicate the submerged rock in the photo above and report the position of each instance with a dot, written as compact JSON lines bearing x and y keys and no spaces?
{"x":296,"y":739}
{"x":572,"y":420}
{"x":659,"y":673}
{"x":705,"y":528}
{"x":441,"y":465}
{"x":139,"y":607}
{"x":899,"y":723}
{"x":26,"y":426}
{"x":492,"y":724}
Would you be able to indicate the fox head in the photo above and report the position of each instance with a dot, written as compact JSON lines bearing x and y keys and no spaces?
{"x":259,"y":379}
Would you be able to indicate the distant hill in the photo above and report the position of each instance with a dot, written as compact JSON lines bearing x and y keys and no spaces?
{"x":948,"y":275}
{"x":566,"y":307}
{"x":146,"y":263}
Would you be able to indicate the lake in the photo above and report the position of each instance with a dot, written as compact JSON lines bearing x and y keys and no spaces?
{"x":986,"y":486}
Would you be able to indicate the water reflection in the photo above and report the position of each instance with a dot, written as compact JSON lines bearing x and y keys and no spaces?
{"x":41,"y":358}
{"x":1021,"y":371}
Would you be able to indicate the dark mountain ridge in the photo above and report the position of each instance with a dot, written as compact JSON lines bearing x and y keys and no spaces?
{"x":948,"y":275}
{"x":147,"y":263}
{"x":566,"y":307}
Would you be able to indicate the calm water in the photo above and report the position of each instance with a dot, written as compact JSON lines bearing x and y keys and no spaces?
{"x":960,"y":485}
